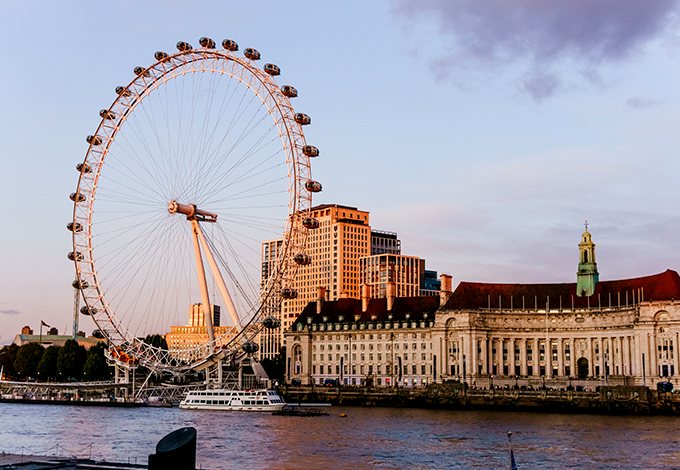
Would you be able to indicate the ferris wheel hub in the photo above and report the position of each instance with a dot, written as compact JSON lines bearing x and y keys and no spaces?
{"x":191,"y":211}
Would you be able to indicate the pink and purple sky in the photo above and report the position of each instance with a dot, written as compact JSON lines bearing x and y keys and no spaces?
{"x":484,"y":132}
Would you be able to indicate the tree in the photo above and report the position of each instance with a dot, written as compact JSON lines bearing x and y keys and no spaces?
{"x":47,"y":369}
{"x":157,"y":341}
{"x":71,"y":360}
{"x":27,"y":359}
{"x":8,"y":355}
{"x":96,"y":367}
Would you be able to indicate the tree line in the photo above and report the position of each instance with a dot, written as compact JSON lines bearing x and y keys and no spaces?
{"x":32,"y":361}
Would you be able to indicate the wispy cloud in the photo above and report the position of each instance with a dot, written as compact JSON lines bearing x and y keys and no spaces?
{"x":533,"y":36}
{"x":642,"y":102}
{"x":9,"y":312}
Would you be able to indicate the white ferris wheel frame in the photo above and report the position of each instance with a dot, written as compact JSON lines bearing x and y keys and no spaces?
{"x":244,"y":70}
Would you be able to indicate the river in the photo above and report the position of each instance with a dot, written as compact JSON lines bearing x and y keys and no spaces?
{"x":380,"y":438}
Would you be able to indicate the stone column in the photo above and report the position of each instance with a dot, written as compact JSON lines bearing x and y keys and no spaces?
{"x":560,"y":357}
{"x":573,"y":358}
{"x":537,"y":366}
{"x":625,"y":362}
{"x":511,"y":356}
{"x":523,"y":355}
{"x":590,"y":356}
{"x":675,"y":355}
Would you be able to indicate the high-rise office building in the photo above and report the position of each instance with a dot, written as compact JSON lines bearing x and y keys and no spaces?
{"x":385,"y":242}
{"x":406,"y":273}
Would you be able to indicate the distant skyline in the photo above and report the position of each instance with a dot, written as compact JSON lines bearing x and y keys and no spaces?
{"x":483,"y":132}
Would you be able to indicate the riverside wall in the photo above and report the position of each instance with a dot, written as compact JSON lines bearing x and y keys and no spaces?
{"x":607,"y":400}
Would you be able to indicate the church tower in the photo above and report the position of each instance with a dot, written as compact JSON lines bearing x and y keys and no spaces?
{"x":587,"y":275}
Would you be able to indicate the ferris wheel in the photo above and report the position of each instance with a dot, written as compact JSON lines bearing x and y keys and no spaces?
{"x":201,"y":157}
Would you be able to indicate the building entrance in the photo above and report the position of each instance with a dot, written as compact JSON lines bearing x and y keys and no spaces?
{"x":582,"y":365}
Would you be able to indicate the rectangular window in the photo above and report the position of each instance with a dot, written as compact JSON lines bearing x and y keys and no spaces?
{"x":422,"y":369}
{"x":414,"y":369}
{"x":554,"y":352}
{"x":530,"y":355}
{"x":541,"y":352}
{"x":516,"y":352}
{"x":567,"y":353}
{"x":505,"y":352}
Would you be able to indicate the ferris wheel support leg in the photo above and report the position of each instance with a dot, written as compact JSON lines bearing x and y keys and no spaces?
{"x":219,"y":280}
{"x":200,"y":271}
{"x":76,"y":307}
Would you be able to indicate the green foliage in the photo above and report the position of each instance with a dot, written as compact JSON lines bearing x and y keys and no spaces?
{"x":8,"y":355}
{"x":71,"y":360}
{"x":47,"y":368}
{"x":27,"y":360}
{"x":96,"y":367}
{"x":157,"y":341}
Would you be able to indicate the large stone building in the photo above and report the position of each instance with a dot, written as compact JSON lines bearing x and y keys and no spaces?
{"x":195,"y":333}
{"x":620,"y":332}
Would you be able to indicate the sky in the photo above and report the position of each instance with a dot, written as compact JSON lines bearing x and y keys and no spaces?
{"x":483,"y":132}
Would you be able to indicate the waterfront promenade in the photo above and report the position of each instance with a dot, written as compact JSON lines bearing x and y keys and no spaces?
{"x":606,"y":400}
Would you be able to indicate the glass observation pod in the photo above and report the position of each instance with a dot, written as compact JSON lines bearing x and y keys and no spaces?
{"x":289,"y":91}
{"x":250,"y":347}
{"x":303,"y":119}
{"x":73,"y":255}
{"x":207,"y":43}
{"x":310,"y":151}
{"x":122,"y":91}
{"x":233,"y":400}
{"x":272,"y":69}
{"x":230,"y":45}
{"x":77,"y":227}
{"x":77,"y":197}
{"x":84,"y":168}
{"x":94,"y":140}
{"x":141,"y":71}
{"x":183,"y":46}
{"x":313,"y":186}
{"x":88,"y":310}
{"x":310,"y":222}
{"x":302,"y":259}
{"x":252,"y":54}
{"x":160,"y":55}
{"x":106,"y":114}
{"x":80,"y":285}
{"x":271,"y":323}
{"x":288,"y":293}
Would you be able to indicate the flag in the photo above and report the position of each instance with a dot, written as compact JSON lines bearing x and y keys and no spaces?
{"x":45,"y":324}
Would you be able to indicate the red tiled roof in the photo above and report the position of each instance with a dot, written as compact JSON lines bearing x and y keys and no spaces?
{"x":473,"y":295}
{"x":415,"y":306}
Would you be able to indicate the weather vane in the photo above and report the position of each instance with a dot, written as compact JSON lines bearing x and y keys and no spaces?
{"x":586,"y":224}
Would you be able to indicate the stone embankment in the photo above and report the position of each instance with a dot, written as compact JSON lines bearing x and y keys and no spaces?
{"x":607,"y":400}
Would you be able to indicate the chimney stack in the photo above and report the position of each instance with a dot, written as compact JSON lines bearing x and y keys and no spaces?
{"x":321,"y":299}
{"x":365,"y":289}
{"x":445,"y":291}
{"x":391,"y":295}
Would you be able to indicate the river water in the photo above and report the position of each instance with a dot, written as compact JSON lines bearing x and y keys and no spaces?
{"x":382,"y":438}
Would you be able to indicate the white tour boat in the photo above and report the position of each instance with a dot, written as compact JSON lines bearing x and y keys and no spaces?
{"x":233,"y":400}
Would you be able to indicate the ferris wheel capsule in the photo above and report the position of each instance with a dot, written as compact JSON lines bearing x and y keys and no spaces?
{"x":251,"y":53}
{"x":141,"y":72}
{"x":302,"y":119}
{"x":230,"y":45}
{"x":310,"y":151}
{"x":77,"y":197}
{"x":310,"y":223}
{"x":207,"y":43}
{"x":94,"y":140}
{"x":122,"y":91}
{"x":288,"y":293}
{"x":160,"y":55}
{"x":183,"y":46}
{"x":75,"y":256}
{"x":302,"y":259}
{"x":289,"y":91}
{"x":272,"y":69}
{"x":250,"y":347}
{"x":80,"y":284}
{"x":84,"y":168}
{"x":77,"y":227}
{"x":88,"y":310}
{"x":313,"y":186}
{"x":271,"y":323}
{"x":106,"y":114}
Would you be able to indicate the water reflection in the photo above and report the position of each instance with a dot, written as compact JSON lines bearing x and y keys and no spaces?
{"x":384,"y":438}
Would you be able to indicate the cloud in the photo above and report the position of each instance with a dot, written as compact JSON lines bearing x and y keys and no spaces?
{"x":9,"y":312}
{"x":535,"y":35}
{"x":642,"y":102}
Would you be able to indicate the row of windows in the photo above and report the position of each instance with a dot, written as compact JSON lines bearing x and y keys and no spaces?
{"x":370,"y":370}
{"x":414,"y":357}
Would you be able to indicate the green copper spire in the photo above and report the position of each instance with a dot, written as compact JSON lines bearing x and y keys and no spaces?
{"x":587,"y":275}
